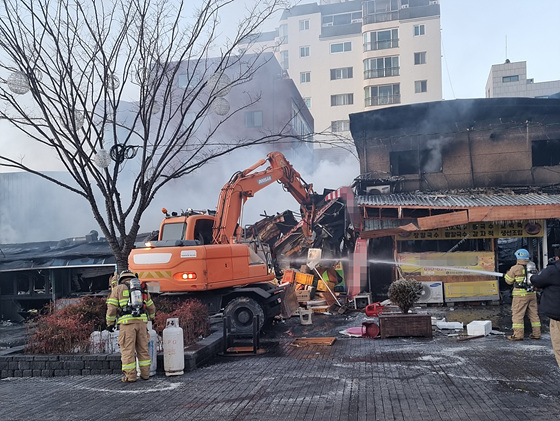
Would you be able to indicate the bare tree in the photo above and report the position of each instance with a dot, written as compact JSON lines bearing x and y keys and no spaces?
{"x":96,"y":82}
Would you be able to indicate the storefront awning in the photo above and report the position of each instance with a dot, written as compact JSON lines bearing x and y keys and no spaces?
{"x":393,"y":214}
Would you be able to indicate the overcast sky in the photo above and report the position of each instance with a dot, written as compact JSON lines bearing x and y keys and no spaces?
{"x":474,"y":34}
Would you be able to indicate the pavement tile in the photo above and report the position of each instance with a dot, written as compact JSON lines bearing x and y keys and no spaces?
{"x":354,"y":379}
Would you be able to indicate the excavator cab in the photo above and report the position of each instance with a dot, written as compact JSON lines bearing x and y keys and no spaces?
{"x":196,"y":227}
{"x":173,"y":231}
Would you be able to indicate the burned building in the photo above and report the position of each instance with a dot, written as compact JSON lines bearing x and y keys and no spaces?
{"x":450,"y":189}
{"x":35,"y":274}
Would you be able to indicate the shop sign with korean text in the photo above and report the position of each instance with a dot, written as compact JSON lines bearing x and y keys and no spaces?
{"x":477,"y":230}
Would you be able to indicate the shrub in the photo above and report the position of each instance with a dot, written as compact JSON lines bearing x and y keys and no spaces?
{"x":192,"y":315}
{"x":404,"y":293}
{"x":68,"y":329}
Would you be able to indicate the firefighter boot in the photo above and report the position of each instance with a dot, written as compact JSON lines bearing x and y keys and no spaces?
{"x":536,"y":334}
{"x":517,"y":335}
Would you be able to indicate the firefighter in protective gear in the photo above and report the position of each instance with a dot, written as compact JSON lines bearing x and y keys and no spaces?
{"x":524,"y":297}
{"x":131,"y":307}
{"x":548,"y":282}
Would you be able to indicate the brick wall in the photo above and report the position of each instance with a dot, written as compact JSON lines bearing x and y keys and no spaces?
{"x":19,"y":365}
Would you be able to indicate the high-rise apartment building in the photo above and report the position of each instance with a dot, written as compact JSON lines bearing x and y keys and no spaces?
{"x":510,"y":80}
{"x":352,"y":56}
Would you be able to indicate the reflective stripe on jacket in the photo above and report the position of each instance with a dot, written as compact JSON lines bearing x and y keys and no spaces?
{"x":520,"y":292}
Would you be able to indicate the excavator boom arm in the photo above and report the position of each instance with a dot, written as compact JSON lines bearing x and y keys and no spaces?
{"x":245,"y":184}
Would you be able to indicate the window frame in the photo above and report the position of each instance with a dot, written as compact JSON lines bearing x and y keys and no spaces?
{"x":342,"y":73}
{"x":372,"y":71}
{"x":416,"y":162}
{"x":305,"y":77}
{"x":545,"y":152}
{"x":376,"y":100}
{"x":250,"y":121}
{"x":338,"y":100}
{"x":346,"y":47}
{"x":419,"y":30}
{"x":510,"y":79}
{"x":420,"y":86}
{"x":340,"y":125}
{"x":420,"y":58}
{"x":371,"y":40}
{"x":304,"y":51}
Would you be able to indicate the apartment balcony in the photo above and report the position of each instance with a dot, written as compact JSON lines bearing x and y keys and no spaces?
{"x":381,"y":45}
{"x":382,"y":100}
{"x":385,"y":72}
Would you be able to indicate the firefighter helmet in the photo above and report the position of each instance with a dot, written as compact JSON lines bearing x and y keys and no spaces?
{"x":125,"y":274}
{"x":522,"y":254}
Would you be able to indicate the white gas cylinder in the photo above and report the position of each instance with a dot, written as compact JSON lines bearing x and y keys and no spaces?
{"x":113,"y":345}
{"x":152,"y":347}
{"x":106,"y":341}
{"x":96,"y":346}
{"x":173,"y":349}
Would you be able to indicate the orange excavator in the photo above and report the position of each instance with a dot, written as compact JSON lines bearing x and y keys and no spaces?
{"x":204,"y":255}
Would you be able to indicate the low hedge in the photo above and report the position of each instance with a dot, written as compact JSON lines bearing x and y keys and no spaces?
{"x":68,"y":329}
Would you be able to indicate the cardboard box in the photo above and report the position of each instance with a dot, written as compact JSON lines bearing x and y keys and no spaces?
{"x":479,"y":327}
{"x":303,"y":295}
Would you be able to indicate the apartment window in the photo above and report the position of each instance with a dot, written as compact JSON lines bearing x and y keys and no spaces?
{"x":340,"y":126}
{"x":341,"y":19}
{"x":507,"y":79}
{"x":416,"y":162}
{"x":305,"y":77}
{"x":284,"y":63}
{"x":253,"y":119}
{"x":304,"y":51}
{"x":420,"y":58}
{"x":342,"y":99}
{"x":342,"y":73}
{"x":304,"y":25}
{"x":383,"y":95}
{"x":283,"y":33}
{"x":381,"y":67}
{"x":419,"y":30}
{"x":307,"y":102}
{"x":420,"y":86}
{"x":341,"y":47}
{"x":381,"y":40}
{"x":546,"y":153}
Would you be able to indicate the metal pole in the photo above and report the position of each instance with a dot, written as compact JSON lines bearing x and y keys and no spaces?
{"x":545,"y":245}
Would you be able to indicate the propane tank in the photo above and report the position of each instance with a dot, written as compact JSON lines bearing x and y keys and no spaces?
{"x":113,"y":345}
{"x":96,"y":345}
{"x":152,"y":347}
{"x":106,"y":341}
{"x":173,"y":349}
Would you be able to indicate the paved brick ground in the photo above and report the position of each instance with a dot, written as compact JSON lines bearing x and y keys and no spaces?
{"x":354,"y":379}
